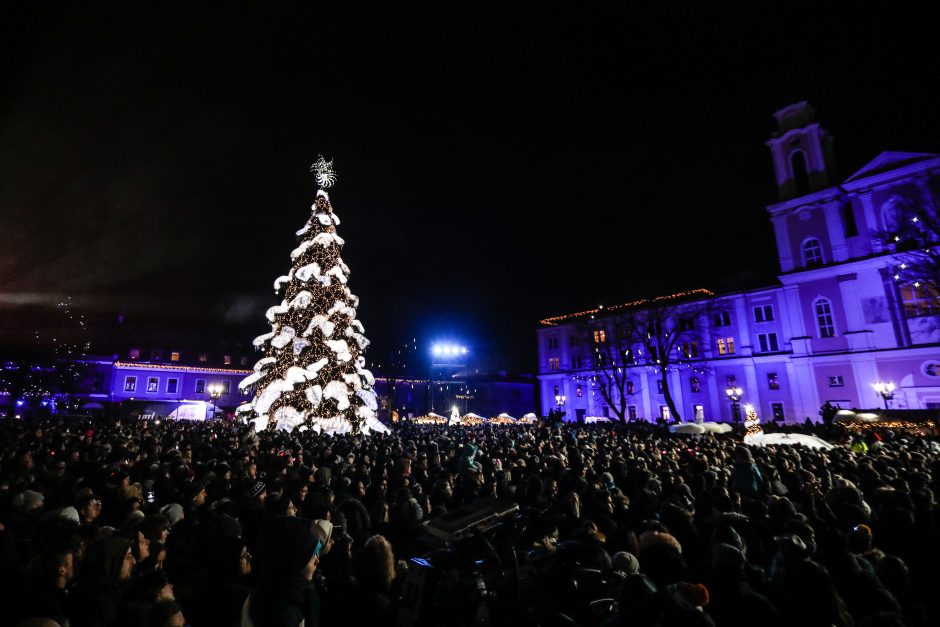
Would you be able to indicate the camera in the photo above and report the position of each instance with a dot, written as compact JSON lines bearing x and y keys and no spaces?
{"x":150,"y":497}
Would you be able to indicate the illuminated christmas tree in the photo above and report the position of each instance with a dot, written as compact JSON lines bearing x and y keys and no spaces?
{"x":313,"y":372}
{"x":751,"y":421}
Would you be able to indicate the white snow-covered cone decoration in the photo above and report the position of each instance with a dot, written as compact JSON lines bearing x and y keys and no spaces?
{"x":312,"y":374}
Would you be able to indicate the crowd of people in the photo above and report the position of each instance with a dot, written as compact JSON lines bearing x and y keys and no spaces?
{"x":178,"y":523}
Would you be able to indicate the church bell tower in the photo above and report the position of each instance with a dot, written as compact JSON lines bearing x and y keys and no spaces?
{"x":802,"y":152}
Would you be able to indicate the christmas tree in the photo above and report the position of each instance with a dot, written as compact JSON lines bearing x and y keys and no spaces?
{"x":751,"y":421}
{"x":313,"y":372}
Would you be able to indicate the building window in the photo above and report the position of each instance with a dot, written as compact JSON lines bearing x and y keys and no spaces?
{"x":764,"y":313}
{"x":689,"y":349}
{"x":203,"y":358}
{"x":156,"y":355}
{"x":631,"y":412}
{"x":226,"y":387}
{"x":824,"y":318}
{"x":768,"y":342}
{"x":574,"y":340}
{"x":772,"y":381}
{"x":600,"y":336}
{"x":920,"y":299}
{"x":812,"y":253}
{"x":730,"y":342}
{"x":687,"y":324}
{"x":552,"y":343}
{"x":601,"y":360}
{"x":836,"y":381}
{"x":777,"y":410}
{"x":556,"y":391}
{"x":227,"y":360}
{"x":153,"y":385}
{"x":722,"y":349}
{"x":629,"y":386}
{"x":200,"y":386}
{"x":578,"y":391}
{"x":722,"y":319}
{"x":659,"y":386}
{"x":731,"y":380}
{"x":243,"y":361}
{"x":605,"y":411}
{"x":576,"y":362}
{"x":553,"y":363}
{"x":130,"y":384}
{"x":134,"y":353}
{"x":664,"y":413}
{"x":174,"y":356}
{"x":172,"y":386}
{"x":695,"y":385}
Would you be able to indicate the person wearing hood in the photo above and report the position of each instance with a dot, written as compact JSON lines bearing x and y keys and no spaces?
{"x":105,"y":572}
{"x":284,"y":596}
{"x":220,"y":599}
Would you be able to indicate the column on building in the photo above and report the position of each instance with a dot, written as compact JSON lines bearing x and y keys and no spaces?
{"x":859,"y":337}
{"x":840,"y":250}
{"x":646,"y":395}
{"x":675,"y":388}
{"x":743,"y":326}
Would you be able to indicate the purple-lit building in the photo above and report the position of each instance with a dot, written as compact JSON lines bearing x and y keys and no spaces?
{"x":836,"y":322}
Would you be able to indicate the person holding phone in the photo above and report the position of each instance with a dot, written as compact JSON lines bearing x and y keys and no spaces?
{"x":288,"y":554}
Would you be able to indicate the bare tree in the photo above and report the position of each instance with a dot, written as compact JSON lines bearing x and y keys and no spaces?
{"x":912,"y":235}
{"x":661,"y":334}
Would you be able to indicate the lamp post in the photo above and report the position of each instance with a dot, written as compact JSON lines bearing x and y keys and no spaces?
{"x":886,"y":390}
{"x":215,"y":391}
{"x":734,"y":395}
{"x":560,"y":401}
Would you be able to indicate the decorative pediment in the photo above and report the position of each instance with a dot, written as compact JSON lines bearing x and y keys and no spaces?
{"x":888,"y":161}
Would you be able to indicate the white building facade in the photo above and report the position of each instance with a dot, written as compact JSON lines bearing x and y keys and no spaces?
{"x":836,"y":323}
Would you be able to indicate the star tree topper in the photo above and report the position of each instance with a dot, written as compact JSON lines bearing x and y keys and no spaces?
{"x":324,"y":172}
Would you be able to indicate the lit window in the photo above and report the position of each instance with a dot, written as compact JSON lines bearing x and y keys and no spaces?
{"x":730,"y":341}
{"x":768,"y":342}
{"x":600,"y":336}
{"x":695,"y":385}
{"x":553,"y":363}
{"x":130,"y":384}
{"x":824,"y":321}
{"x":203,"y":358}
{"x":200,"y":386}
{"x":174,"y":356}
{"x":226,"y":387}
{"x":836,"y":381}
{"x":773,"y":382}
{"x":764,"y":313}
{"x":134,"y":353}
{"x":153,"y":384}
{"x":920,"y":299}
{"x":812,"y":253}
{"x":664,"y":413}
{"x":227,"y":360}
{"x":722,"y":349}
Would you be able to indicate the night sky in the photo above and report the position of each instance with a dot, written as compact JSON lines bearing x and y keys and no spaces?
{"x":495,"y":165}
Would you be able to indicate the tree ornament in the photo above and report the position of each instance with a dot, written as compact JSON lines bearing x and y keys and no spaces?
{"x":324,"y":172}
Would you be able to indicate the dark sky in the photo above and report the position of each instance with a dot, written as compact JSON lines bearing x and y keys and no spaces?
{"x":496,"y":165}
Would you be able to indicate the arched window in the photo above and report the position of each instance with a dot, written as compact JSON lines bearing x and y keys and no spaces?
{"x":800,"y":172}
{"x":812,"y":253}
{"x":824,"y":322}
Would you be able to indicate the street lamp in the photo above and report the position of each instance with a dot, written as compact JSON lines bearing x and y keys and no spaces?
{"x":215,"y":391}
{"x":886,"y":390}
{"x":734,"y":395}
